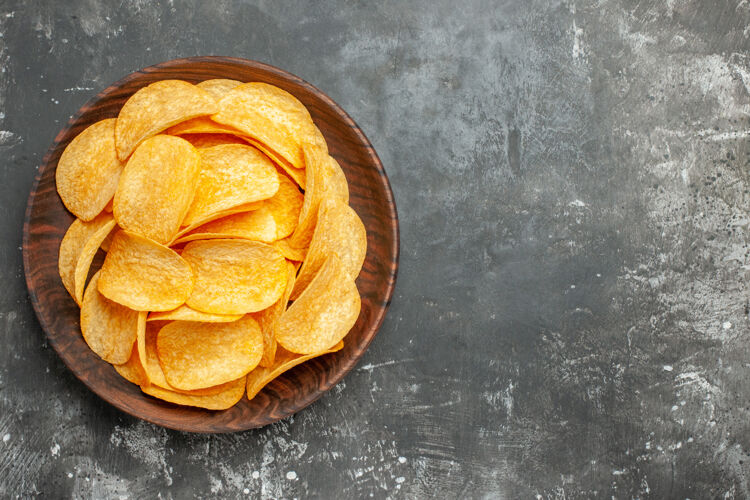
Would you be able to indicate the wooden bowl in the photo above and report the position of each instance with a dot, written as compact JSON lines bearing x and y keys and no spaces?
{"x":371,"y":196}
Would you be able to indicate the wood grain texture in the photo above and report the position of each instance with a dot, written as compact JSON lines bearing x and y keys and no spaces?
{"x":371,"y":196}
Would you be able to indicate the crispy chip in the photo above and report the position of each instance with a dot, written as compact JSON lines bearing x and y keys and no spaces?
{"x":323,"y":314}
{"x":339,"y":231}
{"x":271,"y":116}
{"x":107,"y":327}
{"x":73,"y":244}
{"x":132,"y":370}
{"x":203,"y":125}
{"x":157,"y":107}
{"x":285,"y":207}
{"x":88,"y":170}
{"x":218,"y":87}
{"x":157,"y":187}
{"x":198,"y":355}
{"x":109,"y":208}
{"x":229,"y":396}
{"x":257,"y":225}
{"x":245,"y":207}
{"x":234,"y":276}
{"x":289,"y":252}
{"x":285,"y":360}
{"x":201,"y":141}
{"x":144,"y":275}
{"x":267,"y":318}
{"x":87,"y":255}
{"x":231,"y":175}
{"x":186,"y":313}
{"x":324,"y":180}
{"x":297,"y":174}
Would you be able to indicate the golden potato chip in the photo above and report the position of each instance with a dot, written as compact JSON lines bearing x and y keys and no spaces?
{"x":109,"y":208}
{"x":186,"y":313}
{"x":73,"y":244}
{"x":87,"y":255}
{"x":323,"y":314}
{"x":108,"y":328}
{"x":144,"y":275}
{"x":285,"y":207}
{"x":245,"y":207}
{"x":324,"y":180}
{"x":200,"y":141}
{"x":267,"y":318}
{"x":297,"y":174}
{"x":339,"y":231}
{"x":198,"y":355}
{"x":285,"y":360}
{"x":271,"y":116}
{"x":289,"y":252}
{"x":132,"y":370}
{"x":88,"y":170}
{"x":157,"y":107}
{"x":203,"y":125}
{"x":257,"y":225}
{"x":230,"y":395}
{"x":234,"y":276}
{"x":108,"y":240}
{"x":157,"y":187}
{"x":231,"y":175}
{"x":218,"y":87}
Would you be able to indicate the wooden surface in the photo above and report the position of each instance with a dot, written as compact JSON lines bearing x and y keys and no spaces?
{"x":371,"y":196}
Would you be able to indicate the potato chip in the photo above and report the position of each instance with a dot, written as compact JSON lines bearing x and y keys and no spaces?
{"x":200,"y":141}
{"x":339,"y":231}
{"x":285,"y":207}
{"x":323,"y":314}
{"x":186,"y":313}
{"x":203,"y":125}
{"x":157,"y":107}
{"x":245,"y":207}
{"x":297,"y":174}
{"x":267,"y":318}
{"x":87,"y":255}
{"x":234,"y":276}
{"x":198,"y":355}
{"x":144,"y":275}
{"x":231,"y":175}
{"x":230,"y":395}
{"x":289,"y":252}
{"x":109,"y":208}
{"x":218,"y":87}
{"x":271,"y":116}
{"x":108,"y":328}
{"x":157,"y":187}
{"x":257,"y":225}
{"x":88,"y":170}
{"x":285,"y":360}
{"x":132,"y":370}
{"x":73,"y":244}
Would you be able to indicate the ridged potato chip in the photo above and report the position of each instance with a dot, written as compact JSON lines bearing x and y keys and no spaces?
{"x":200,"y":141}
{"x":234,"y":276}
{"x":156,"y":108}
{"x":290,"y":252}
{"x":157,"y":187}
{"x":132,"y":370}
{"x":339,"y":231}
{"x":323,"y":314}
{"x":88,"y":170}
{"x":257,"y":225}
{"x":267,"y":318}
{"x":73,"y":244}
{"x":218,"y":87}
{"x":198,"y":355}
{"x":144,"y":275}
{"x":271,"y":116}
{"x":108,"y":328}
{"x":87,"y":255}
{"x":230,"y":395}
{"x":285,"y":360}
{"x":186,"y":313}
{"x":231,"y":175}
{"x":324,"y":180}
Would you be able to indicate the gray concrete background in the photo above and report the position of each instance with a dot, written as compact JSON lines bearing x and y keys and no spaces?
{"x":571,"y":316}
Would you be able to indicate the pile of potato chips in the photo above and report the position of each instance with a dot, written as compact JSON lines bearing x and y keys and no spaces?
{"x":231,"y":249}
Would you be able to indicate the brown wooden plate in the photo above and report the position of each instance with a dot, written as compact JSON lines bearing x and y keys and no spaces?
{"x":371,"y":196}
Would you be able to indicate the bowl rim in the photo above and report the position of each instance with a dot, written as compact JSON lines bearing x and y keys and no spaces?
{"x":373,"y":325}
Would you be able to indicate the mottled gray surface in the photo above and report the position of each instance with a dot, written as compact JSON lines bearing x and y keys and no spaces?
{"x":571,"y":316}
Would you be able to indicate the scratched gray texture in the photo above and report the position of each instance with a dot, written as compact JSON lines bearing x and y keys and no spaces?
{"x":571,"y":316}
